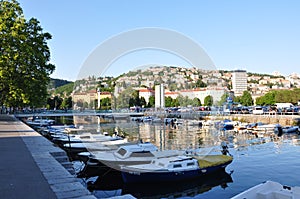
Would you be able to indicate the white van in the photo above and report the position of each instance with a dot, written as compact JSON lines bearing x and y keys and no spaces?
{"x":258,"y":110}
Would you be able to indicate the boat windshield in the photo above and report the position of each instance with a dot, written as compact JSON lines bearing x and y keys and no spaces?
{"x":141,"y":154}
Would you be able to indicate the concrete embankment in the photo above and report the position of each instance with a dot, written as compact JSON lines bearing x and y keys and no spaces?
{"x":284,"y":120}
{"x":32,"y":167}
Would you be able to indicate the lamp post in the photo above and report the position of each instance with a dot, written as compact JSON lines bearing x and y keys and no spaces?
{"x":98,"y":94}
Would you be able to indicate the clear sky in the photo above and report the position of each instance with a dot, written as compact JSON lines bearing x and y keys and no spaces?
{"x":259,"y":36}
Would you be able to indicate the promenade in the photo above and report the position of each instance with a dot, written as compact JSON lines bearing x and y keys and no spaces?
{"x":32,"y":167}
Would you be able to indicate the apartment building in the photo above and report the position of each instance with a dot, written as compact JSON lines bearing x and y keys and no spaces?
{"x":239,"y":82}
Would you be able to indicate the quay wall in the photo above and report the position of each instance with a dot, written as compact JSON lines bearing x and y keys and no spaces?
{"x":284,"y":120}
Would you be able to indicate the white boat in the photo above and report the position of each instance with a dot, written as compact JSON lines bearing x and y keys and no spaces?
{"x":262,"y":127}
{"x":38,"y":122}
{"x":93,"y":146}
{"x":84,"y":137}
{"x":100,"y":162}
{"x":132,"y":154}
{"x":270,"y":190}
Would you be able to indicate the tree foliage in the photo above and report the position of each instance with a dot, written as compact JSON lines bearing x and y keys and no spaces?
{"x":64,"y":90}
{"x":223,"y":99}
{"x":246,"y":99}
{"x":151,"y":102}
{"x":24,"y":57}
{"x":279,"y":96}
{"x":129,"y":98}
{"x":105,"y":103}
{"x":67,"y":103}
{"x":208,"y":100}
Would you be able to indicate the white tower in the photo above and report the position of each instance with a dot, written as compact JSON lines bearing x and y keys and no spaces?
{"x":159,"y":96}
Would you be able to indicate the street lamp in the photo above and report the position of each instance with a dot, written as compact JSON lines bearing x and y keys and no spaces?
{"x":98,"y":94}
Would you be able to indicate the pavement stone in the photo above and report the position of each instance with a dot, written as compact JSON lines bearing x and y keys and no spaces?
{"x":29,"y":168}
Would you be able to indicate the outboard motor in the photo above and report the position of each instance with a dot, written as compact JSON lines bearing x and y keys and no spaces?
{"x":279,"y":129}
{"x":224,"y":148}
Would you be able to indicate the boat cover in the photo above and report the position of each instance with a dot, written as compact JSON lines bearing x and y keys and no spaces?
{"x":212,"y":160}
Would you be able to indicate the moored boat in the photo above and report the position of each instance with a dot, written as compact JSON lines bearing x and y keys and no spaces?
{"x":131,"y":154}
{"x":269,"y":190}
{"x":175,"y":168}
{"x":287,"y":129}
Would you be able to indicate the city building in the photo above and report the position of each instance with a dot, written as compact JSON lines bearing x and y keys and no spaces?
{"x":146,"y":93}
{"x":89,"y":97}
{"x":201,"y":93}
{"x":239,"y":82}
{"x":159,"y":96}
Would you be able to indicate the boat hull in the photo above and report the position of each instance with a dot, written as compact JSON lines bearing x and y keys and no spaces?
{"x":168,"y":176}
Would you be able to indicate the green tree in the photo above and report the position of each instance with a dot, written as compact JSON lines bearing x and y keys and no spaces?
{"x":24,"y":58}
{"x":196,"y":102}
{"x":151,"y":102}
{"x":246,"y":99}
{"x":200,"y":83}
{"x":238,"y":99}
{"x":64,"y":90}
{"x":66,"y":103}
{"x":127,"y":98}
{"x":175,"y":102}
{"x":142,"y":102}
{"x":268,"y":99}
{"x":223,"y":99}
{"x":208,"y":100}
{"x":105,"y":103}
{"x":168,"y":101}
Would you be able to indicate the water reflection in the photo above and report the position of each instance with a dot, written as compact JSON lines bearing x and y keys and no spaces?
{"x":257,"y":157}
{"x":183,"y":135}
{"x":112,"y":183}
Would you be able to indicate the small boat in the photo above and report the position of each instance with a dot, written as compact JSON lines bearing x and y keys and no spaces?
{"x":175,"y":168}
{"x":38,"y":122}
{"x":93,"y":146}
{"x":287,"y":129}
{"x":259,"y":126}
{"x":85,"y":137}
{"x":225,"y":125}
{"x":269,"y":189}
{"x":131,"y":154}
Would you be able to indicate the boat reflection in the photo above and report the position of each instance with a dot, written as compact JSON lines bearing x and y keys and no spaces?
{"x":113,"y":181}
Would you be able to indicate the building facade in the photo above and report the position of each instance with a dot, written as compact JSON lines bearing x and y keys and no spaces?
{"x":239,"y":82}
{"x":159,"y":96}
{"x":89,"y":97}
{"x":146,"y":93}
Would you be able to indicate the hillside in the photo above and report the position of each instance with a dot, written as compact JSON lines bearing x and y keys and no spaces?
{"x":174,"y":78}
{"x":55,"y":83}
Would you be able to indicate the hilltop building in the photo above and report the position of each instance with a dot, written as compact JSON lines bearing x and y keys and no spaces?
{"x":239,"y":82}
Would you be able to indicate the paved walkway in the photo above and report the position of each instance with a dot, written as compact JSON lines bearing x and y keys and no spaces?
{"x":31,"y":167}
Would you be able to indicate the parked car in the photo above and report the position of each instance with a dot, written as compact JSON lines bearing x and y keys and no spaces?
{"x":258,"y":110}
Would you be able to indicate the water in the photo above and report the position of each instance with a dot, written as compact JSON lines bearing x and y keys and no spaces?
{"x":256,"y":159}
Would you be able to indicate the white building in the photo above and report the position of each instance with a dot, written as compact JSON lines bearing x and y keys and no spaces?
{"x":146,"y":93}
{"x":239,"y":82}
{"x":159,"y":96}
{"x":202,"y":93}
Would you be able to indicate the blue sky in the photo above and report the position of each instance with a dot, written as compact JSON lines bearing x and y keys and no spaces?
{"x":259,"y":36}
